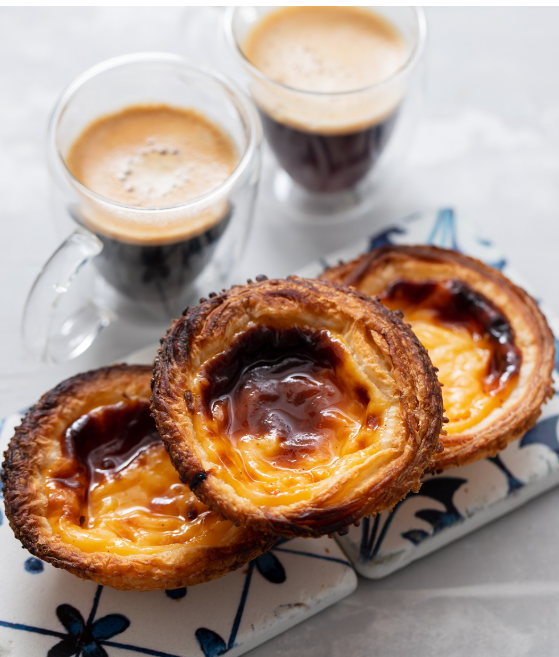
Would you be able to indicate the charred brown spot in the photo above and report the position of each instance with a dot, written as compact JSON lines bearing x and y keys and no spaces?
{"x":198,"y":478}
{"x":299,"y":296}
{"x":189,"y":399}
{"x":362,"y":395}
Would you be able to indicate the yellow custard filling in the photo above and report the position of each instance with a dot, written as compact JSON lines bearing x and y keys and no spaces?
{"x":462,"y":360}
{"x":292,"y":415}
{"x":128,"y":501}
{"x":468,"y":340}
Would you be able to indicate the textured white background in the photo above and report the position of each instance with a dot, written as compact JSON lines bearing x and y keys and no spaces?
{"x":488,"y":143}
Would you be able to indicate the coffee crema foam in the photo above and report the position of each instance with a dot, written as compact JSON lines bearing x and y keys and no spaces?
{"x":326,"y":50}
{"x":152,"y":157}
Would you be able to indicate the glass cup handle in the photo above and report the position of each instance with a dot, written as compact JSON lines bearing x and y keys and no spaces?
{"x":56,"y":325}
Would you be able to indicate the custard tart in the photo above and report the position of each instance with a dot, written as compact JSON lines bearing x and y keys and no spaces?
{"x":295,"y":406}
{"x":488,"y":338}
{"x":89,"y":487}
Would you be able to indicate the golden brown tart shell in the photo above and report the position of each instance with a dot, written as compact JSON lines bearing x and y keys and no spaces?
{"x":488,"y":337}
{"x":295,"y":406}
{"x":46,"y":487}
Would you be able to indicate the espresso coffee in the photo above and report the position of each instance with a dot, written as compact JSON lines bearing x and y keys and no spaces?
{"x":327,"y":163}
{"x":149,"y":161}
{"x":324,"y":121}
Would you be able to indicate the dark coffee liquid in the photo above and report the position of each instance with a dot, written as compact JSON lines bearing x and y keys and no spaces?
{"x":456,"y":304}
{"x":326,"y":162}
{"x":153,"y":156}
{"x":161,"y":273}
{"x":326,"y":143}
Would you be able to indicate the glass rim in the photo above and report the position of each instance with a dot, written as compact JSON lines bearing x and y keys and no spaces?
{"x":249,"y":117}
{"x":410,"y":62}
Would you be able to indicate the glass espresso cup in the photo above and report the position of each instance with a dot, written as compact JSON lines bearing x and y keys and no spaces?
{"x":327,"y":142}
{"x":143,"y":263}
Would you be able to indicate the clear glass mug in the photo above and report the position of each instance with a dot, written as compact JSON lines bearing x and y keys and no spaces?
{"x":101,"y":271}
{"x":310,"y":132}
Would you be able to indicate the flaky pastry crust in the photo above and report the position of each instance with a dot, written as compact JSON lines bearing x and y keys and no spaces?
{"x":32,"y":450}
{"x":376,"y":359}
{"x":531,"y":338}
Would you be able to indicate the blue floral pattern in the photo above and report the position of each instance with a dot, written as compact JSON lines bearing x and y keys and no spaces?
{"x":86,"y":638}
{"x":91,"y":638}
{"x":272,"y":570}
{"x":34,"y":566}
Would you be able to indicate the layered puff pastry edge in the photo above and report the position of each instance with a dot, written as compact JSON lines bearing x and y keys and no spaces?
{"x":88,"y":487}
{"x":488,"y":338}
{"x":296,"y":406}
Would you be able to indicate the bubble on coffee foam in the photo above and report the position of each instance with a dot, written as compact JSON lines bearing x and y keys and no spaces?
{"x":340,"y":52}
{"x":143,"y":173}
{"x":325,"y":49}
{"x":182,"y":157}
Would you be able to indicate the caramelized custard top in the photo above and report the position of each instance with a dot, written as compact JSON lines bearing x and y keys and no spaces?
{"x":469,"y":340}
{"x":285,"y":411}
{"x":114,"y":489}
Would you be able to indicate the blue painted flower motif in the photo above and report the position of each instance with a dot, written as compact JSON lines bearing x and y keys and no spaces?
{"x":211,"y":643}
{"x":34,"y":565}
{"x":513,"y":482}
{"x":269,"y":566}
{"x":544,"y":433}
{"x":444,"y":230}
{"x":440,"y":489}
{"x":385,"y":237}
{"x":176,"y":594}
{"x":84,"y":638}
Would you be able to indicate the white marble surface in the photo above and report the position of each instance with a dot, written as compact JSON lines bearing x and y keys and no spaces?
{"x":488,"y":142}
